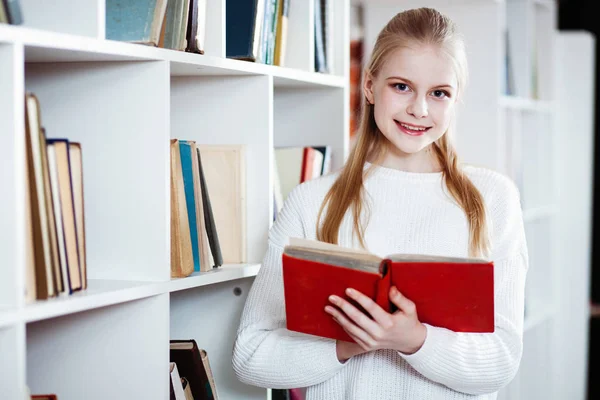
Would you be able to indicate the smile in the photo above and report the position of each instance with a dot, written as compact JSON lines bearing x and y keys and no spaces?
{"x":412,"y":130}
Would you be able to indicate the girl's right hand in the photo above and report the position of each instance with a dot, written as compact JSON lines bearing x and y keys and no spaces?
{"x":347,"y":350}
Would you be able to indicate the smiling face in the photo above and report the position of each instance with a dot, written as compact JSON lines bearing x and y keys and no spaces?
{"x":414,"y":97}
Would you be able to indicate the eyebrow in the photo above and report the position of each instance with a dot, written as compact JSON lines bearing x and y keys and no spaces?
{"x":443,"y":85}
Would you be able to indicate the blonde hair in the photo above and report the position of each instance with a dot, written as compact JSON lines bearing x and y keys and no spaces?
{"x":423,"y":26}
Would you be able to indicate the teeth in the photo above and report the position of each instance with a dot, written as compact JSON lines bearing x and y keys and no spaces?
{"x":412,"y":128}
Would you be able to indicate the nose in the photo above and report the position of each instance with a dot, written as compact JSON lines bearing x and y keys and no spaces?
{"x":418,"y":107}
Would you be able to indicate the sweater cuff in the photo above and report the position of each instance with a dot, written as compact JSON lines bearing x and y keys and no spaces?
{"x":419,"y":358}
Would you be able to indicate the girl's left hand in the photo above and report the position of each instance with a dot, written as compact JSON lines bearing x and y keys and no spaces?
{"x":401,"y":331}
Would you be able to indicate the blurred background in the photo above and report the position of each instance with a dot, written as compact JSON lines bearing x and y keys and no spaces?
{"x":533,"y":93}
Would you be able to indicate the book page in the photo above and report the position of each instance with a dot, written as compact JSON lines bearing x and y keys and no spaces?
{"x":328,"y":247}
{"x":364,"y":262}
{"x":431,"y":258}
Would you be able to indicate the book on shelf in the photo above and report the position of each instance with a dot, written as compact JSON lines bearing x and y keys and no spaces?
{"x":193,"y":365}
{"x":56,"y":256}
{"x":208,"y":206}
{"x":172,"y":24}
{"x":450,"y":292}
{"x":10,"y":12}
{"x":179,"y":388}
{"x":224,"y":169}
{"x":296,"y":164}
{"x":44,"y":397}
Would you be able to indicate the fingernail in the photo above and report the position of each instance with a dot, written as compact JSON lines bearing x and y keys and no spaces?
{"x":350,"y":291}
{"x":333,"y":298}
{"x":394,"y":290}
{"x":327,"y":309}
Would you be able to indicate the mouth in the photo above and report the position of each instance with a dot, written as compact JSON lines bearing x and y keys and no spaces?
{"x":412,"y":130}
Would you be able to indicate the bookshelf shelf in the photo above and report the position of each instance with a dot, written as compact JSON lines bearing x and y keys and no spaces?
{"x":44,"y":47}
{"x":224,"y":273}
{"x":100,"y":293}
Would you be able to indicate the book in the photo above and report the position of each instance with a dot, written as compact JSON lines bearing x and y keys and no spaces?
{"x":215,"y":255}
{"x":185,"y":152}
{"x":176,"y":387}
{"x":449,"y":292}
{"x":281,"y":34}
{"x":193,"y":365}
{"x":203,"y":246}
{"x":244,"y":22}
{"x":135,"y":21}
{"x":196,"y":27}
{"x":76,"y":158}
{"x":223,"y":168}
{"x":182,"y":259}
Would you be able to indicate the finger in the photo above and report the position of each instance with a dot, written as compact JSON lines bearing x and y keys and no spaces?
{"x":378,"y":313}
{"x":404,"y":304}
{"x":354,"y":331}
{"x":357,"y":316}
{"x":359,"y":342}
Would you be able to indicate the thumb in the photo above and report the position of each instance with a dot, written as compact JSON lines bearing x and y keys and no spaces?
{"x":404,"y":304}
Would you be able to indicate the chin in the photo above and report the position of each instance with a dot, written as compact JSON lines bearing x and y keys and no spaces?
{"x":410,"y":146}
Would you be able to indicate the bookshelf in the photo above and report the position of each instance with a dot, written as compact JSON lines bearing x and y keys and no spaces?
{"x":522,"y":130}
{"x":124,"y":102}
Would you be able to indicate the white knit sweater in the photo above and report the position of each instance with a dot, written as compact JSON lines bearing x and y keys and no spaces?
{"x":409,"y":213}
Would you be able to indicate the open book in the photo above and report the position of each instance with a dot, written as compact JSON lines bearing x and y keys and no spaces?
{"x":449,"y":292}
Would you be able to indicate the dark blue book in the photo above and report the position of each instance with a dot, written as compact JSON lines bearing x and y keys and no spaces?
{"x":243,"y":28}
{"x":185,"y":151}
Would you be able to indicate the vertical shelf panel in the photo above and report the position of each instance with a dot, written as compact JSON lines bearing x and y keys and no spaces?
{"x":543,"y":51}
{"x":119,"y":111}
{"x":211,"y":315}
{"x":116,"y":352}
{"x":12,"y":362}
{"x":312,"y":117}
{"x":82,"y":17}
{"x":520,"y":20}
{"x":12,"y":176}
{"x":235,"y":110}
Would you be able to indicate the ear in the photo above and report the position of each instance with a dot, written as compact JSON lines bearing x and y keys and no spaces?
{"x":368,"y":87}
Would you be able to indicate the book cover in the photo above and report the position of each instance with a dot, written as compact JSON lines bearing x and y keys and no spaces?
{"x":209,"y":219}
{"x":182,"y":259}
{"x":136,"y":21}
{"x":76,"y":157}
{"x":449,"y":292}
{"x":187,"y":169}
{"x":244,"y":21}
{"x":203,"y":246}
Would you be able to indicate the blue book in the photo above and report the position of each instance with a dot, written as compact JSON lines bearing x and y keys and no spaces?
{"x":185,"y":151}
{"x":137,"y":21}
{"x":243,"y":29}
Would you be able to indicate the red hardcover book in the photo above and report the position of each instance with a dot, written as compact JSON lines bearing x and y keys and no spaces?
{"x":449,"y":292}
{"x":307,"y":164}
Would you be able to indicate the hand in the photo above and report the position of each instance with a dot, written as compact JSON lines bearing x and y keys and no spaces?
{"x":401,"y":331}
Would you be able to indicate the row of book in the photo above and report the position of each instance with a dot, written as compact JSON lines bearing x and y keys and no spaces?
{"x":208,"y":206}
{"x":170,"y":24}
{"x":297,"y":164}
{"x":56,"y":252}
{"x":10,"y":12}
{"x":190,"y":371}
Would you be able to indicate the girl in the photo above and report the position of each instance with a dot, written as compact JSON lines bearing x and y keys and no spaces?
{"x":402,"y":190}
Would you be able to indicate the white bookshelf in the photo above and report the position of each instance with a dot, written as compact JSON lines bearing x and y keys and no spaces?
{"x":124,"y":102}
{"x":526,"y":135}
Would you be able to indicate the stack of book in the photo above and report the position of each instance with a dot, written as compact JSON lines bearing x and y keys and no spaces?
{"x":208,"y":206}
{"x":297,"y":164}
{"x":256,"y":30}
{"x":56,"y":250}
{"x":191,"y":374}
{"x":170,"y":24}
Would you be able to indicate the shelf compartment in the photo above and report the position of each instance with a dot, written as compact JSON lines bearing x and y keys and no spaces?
{"x":12,"y":362}
{"x":119,"y":112}
{"x":108,"y":353}
{"x":211,"y":316}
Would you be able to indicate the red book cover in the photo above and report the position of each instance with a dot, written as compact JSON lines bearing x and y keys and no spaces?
{"x":452,"y":293}
{"x":307,"y":164}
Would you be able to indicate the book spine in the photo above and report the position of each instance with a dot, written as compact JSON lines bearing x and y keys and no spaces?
{"x":382,"y":297}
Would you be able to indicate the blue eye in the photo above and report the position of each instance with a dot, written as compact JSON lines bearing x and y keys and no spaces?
{"x":403,"y":87}
{"x":440,"y":94}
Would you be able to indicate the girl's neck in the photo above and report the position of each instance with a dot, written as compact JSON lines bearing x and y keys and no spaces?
{"x":425,"y":161}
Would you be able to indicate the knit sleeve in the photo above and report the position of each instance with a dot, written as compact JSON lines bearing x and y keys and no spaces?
{"x":479,"y":363}
{"x":266,"y":354}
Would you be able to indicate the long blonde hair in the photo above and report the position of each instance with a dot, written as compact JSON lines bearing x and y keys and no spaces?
{"x":428,"y":27}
